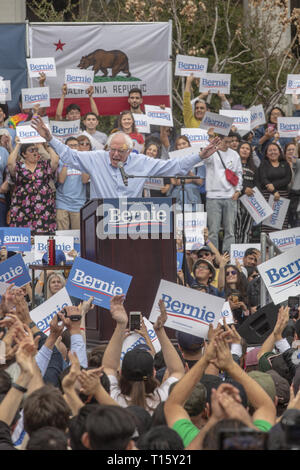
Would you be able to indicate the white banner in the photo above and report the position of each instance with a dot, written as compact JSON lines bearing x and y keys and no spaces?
{"x":123,"y":56}
{"x":258,"y":117}
{"x":5,"y":90}
{"x":79,"y":79}
{"x":241,"y":119}
{"x":237,"y":251}
{"x":189,"y":310}
{"x":281,"y":275}
{"x":280,"y":209}
{"x":142,"y":123}
{"x":194,"y":223}
{"x":288,"y":126}
{"x":196,"y":136}
{"x":64,"y":129}
{"x":292,"y":84}
{"x":33,"y":96}
{"x":43,"y":314}
{"x":227,"y":314}
{"x":38,"y":65}
{"x":220,"y":124}
{"x":215,"y":82}
{"x":134,"y":339}
{"x":185,"y":65}
{"x":28,"y":135}
{"x":158,"y":116}
{"x":286,"y":239}
{"x":257,"y":206}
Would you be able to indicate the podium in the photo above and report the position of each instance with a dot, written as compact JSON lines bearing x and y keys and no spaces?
{"x":147,"y":260}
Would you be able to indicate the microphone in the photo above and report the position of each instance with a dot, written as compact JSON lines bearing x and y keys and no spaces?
{"x":123,"y":174}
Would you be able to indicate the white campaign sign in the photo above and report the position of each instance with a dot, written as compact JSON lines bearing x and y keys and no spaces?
{"x":187,"y":65}
{"x":64,"y":244}
{"x":5,"y":90}
{"x":292,"y":84}
{"x":154,"y":183}
{"x":288,"y":126}
{"x":194,"y":222}
{"x":142,"y":123}
{"x":189,"y":310}
{"x":38,"y":65}
{"x":227,"y":314}
{"x":158,"y":116}
{"x":241,"y":119}
{"x":196,"y":136}
{"x":280,"y":209}
{"x":33,"y":96}
{"x":220,"y":124}
{"x":281,"y":275}
{"x":64,"y":129}
{"x":258,"y":117}
{"x":237,"y":251}
{"x":28,"y":135}
{"x":286,"y":239}
{"x":43,"y":314}
{"x":131,"y":341}
{"x":257,"y":206}
{"x":215,"y":82}
{"x":79,"y":79}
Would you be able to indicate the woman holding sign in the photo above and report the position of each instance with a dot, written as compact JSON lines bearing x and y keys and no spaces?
{"x":33,"y":198}
{"x":274,"y":175}
{"x":244,"y":221}
{"x":127,"y":125}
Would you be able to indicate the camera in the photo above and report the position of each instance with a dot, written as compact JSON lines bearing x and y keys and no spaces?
{"x":134,"y":321}
{"x":294,"y":303}
{"x":71,"y":317}
{"x":290,"y":423}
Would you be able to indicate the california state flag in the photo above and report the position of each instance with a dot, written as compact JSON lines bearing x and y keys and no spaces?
{"x":123,"y":56}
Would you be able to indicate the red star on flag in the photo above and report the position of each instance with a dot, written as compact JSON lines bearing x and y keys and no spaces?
{"x":59,"y":45}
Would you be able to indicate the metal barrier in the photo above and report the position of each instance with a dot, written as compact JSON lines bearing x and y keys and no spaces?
{"x":273,"y":250}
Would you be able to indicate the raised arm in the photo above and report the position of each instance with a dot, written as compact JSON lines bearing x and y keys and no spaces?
{"x":60,"y":106}
{"x":112,"y":353}
{"x":276,"y":336}
{"x":12,"y":159}
{"x":94,"y":108}
{"x":172,"y":360}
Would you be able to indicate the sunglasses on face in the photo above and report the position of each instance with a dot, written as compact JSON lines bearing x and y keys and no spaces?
{"x":32,"y":150}
{"x":231,"y":272}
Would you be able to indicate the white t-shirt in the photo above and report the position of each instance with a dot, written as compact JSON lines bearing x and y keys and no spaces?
{"x":160,"y":394}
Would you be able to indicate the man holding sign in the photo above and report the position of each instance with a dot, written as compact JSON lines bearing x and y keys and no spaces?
{"x":108,"y":177}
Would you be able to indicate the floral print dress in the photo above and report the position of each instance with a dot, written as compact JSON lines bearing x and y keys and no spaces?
{"x":33,"y":199}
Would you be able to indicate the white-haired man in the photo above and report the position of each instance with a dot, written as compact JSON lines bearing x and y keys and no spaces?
{"x":103,"y":165}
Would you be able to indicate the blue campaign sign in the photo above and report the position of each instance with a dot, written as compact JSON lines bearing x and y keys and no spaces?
{"x":15,"y":238}
{"x":179,"y":260}
{"x":88,"y":279}
{"x":14,"y":270}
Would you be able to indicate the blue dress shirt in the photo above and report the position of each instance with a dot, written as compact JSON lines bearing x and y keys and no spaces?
{"x":106,"y":180}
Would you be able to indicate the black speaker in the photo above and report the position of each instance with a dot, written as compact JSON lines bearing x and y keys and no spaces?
{"x":259,"y":325}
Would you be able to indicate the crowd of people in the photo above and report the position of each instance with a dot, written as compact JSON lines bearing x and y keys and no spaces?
{"x":212,"y":393}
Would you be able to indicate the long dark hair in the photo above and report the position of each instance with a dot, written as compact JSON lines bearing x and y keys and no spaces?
{"x":269,"y":116}
{"x":250,"y":161}
{"x":123,"y":113}
{"x":241,"y":284}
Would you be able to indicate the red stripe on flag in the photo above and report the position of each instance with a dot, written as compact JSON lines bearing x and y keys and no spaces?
{"x":107,"y":106}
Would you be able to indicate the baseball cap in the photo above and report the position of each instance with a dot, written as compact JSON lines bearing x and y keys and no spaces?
{"x":251,"y":357}
{"x":137,"y":365}
{"x":265,"y":381}
{"x":189,"y":342}
{"x":205,"y":248}
{"x":209,"y":264}
{"x":60,"y":257}
{"x":282,"y":387}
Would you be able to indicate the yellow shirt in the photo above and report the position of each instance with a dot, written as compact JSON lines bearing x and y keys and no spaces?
{"x":188,"y":115}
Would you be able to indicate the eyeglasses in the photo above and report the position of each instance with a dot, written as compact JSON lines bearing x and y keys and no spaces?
{"x":231,"y":272}
{"x":32,"y":150}
{"x":120,"y":152}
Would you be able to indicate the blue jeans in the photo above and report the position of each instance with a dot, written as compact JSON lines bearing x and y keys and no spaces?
{"x":221,"y":213}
